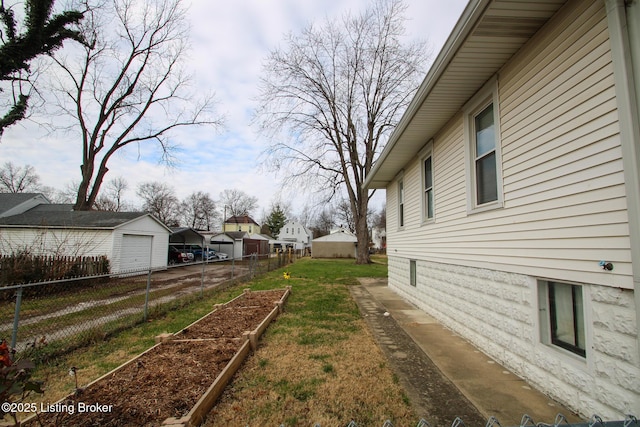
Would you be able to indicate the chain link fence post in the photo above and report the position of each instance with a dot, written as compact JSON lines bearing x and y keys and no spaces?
{"x":146,"y":296}
{"x":16,"y":318}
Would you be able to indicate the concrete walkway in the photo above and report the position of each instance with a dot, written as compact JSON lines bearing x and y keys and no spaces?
{"x":490,"y":387}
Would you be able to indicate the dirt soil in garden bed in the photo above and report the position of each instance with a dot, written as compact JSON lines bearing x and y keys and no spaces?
{"x":168,"y":380}
{"x":247,"y":311}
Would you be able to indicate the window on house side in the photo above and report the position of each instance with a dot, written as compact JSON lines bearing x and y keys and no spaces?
{"x":562,"y":316}
{"x":401,"y":203}
{"x":485,"y":156}
{"x":412,"y":272}
{"x":482,"y":150}
{"x":428,"y":188}
{"x":567,"y":317}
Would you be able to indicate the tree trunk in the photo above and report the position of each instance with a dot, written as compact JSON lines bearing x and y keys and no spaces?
{"x":83,"y":190}
{"x":362,"y":228}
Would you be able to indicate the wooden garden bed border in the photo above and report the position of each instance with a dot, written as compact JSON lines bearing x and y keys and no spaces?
{"x":208,"y":399}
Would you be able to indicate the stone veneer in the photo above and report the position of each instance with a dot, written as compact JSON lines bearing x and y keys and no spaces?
{"x":498,"y":312}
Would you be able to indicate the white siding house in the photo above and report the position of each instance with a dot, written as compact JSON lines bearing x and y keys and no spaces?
{"x":513,"y":195}
{"x":295,"y":233}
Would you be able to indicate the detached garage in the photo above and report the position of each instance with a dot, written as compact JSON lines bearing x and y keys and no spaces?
{"x":340,"y":244}
{"x":130,"y":240}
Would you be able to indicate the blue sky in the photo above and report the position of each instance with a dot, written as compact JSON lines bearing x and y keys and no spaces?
{"x":230,"y":41}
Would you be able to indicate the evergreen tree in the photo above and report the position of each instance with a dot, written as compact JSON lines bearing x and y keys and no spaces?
{"x":42,"y":34}
{"x":276,"y":220}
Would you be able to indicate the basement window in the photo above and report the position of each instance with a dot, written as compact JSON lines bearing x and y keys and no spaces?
{"x":412,"y":272}
{"x":562,"y":316}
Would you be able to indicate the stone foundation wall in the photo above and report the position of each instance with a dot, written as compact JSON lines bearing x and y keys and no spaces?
{"x":499,"y":313}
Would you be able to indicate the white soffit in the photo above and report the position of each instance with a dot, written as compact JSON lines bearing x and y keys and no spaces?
{"x":487,"y":35}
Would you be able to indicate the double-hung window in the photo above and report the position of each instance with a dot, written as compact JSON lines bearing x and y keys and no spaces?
{"x":427,"y":165}
{"x":485,"y":166}
{"x":482,"y":135}
{"x":401,"y":203}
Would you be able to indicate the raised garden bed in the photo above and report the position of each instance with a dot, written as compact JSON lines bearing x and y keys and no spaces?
{"x":176,"y":382}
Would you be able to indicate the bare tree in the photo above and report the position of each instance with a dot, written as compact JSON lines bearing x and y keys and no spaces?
{"x":160,"y":201}
{"x":199,"y":211}
{"x":323,"y":223}
{"x":238,"y":203}
{"x":331,"y":97}
{"x":111,"y":198}
{"x":128,"y":85}
{"x":65,"y":195}
{"x":18,"y":179}
{"x":344,"y":215}
{"x":380,"y":218}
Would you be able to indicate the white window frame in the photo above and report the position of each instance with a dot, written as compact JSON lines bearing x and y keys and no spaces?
{"x":413,"y":273}
{"x":545,"y":320}
{"x":401,"y":203}
{"x":427,"y":152}
{"x":484,"y":98}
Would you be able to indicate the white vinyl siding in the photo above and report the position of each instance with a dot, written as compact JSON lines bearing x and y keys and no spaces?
{"x":55,"y":241}
{"x":564,"y":205}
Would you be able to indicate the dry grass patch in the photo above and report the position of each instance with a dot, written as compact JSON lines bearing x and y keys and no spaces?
{"x":286,"y":382}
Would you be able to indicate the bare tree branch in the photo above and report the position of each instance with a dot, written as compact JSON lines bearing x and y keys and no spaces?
{"x":330,"y":99}
{"x":128,"y":85}
{"x":16,"y":179}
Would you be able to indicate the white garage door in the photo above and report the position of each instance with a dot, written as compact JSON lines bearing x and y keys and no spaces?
{"x":136,"y":252}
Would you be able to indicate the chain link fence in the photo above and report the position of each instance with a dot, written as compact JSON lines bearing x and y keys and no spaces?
{"x":43,"y":319}
{"x":527,"y":421}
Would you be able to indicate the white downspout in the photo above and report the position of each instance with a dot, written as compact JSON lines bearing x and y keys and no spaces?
{"x":624,"y":34}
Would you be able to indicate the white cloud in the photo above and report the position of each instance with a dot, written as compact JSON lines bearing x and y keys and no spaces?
{"x":230,"y":40}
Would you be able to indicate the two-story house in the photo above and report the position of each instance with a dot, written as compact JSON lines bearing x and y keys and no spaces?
{"x":296,"y":234}
{"x":241,"y":223}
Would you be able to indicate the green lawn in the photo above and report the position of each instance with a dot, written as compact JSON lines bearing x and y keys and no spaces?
{"x":316,"y":364}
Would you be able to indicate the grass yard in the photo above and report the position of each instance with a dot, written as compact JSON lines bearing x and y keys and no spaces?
{"x":317,"y":363}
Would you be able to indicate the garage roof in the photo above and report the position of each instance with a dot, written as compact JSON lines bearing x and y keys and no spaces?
{"x":487,"y":35}
{"x":62,"y":216}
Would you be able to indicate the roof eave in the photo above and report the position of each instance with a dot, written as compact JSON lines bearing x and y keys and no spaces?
{"x":468,"y":19}
{"x":487,"y":35}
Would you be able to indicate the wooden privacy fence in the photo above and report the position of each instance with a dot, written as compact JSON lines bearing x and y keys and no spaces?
{"x":25,"y":268}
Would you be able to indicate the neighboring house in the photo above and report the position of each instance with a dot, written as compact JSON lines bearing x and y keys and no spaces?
{"x":17,"y":203}
{"x":230,"y":243}
{"x":378,"y":238}
{"x":339,"y":244}
{"x":239,"y":244}
{"x":130,"y":240}
{"x":295,"y":234}
{"x":513,"y":199}
{"x":243,"y":223}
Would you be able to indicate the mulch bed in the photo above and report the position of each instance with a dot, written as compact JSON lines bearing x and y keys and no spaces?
{"x":170,"y":378}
